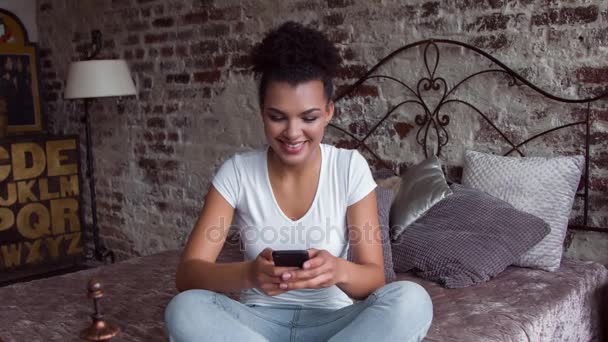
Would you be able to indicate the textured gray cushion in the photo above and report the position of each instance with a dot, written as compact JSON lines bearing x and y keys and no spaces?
{"x":421,"y":187}
{"x":384,"y":198}
{"x":544,"y":187}
{"x":466,"y":239}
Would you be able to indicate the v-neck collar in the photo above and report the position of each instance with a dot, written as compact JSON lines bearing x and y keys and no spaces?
{"x":274,"y":199}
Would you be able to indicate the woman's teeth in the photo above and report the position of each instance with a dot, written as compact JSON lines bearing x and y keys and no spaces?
{"x":294,"y":145}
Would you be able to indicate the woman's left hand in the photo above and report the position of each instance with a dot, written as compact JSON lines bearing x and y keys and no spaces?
{"x":321,"y":270}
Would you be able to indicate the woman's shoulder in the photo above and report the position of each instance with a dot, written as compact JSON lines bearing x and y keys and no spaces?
{"x":248,"y":156}
{"x":339,"y":155}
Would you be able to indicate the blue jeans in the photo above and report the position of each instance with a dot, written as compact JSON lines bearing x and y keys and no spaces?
{"x":399,"y":311}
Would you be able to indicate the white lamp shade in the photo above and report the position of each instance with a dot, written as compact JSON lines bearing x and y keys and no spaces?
{"x":99,"y":78}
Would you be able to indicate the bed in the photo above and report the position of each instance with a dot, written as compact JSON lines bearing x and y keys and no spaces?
{"x":520,"y":304}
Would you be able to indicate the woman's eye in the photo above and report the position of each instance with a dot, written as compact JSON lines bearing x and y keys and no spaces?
{"x":275,"y":118}
{"x":311,"y":119}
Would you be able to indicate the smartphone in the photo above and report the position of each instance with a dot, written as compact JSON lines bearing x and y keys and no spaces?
{"x":287,"y":258}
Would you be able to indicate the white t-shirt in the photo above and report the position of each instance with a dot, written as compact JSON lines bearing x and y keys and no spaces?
{"x":345,"y":178}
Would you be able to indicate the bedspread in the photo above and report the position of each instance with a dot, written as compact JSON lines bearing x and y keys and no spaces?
{"x":518,"y":305}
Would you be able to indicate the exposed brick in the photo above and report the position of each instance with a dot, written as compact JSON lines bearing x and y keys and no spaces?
{"x":181,"y":51}
{"x":204,"y":47}
{"x":132,"y":40}
{"x":207,"y":76}
{"x":159,"y":10}
{"x":593,"y":75}
{"x":178,"y":78}
{"x":351,"y":71}
{"x":346,"y":143}
{"x":402,"y":129}
{"x":166,"y":66}
{"x":163,"y":22}
{"x":493,"y":42}
{"x":349,"y":54}
{"x":492,"y":22}
{"x":240,"y":27}
{"x":358,"y":127}
{"x":142,"y":66}
{"x":170,"y":165}
{"x":240,"y":61}
{"x":215,"y":30}
{"x":430,"y":9}
{"x":173,"y":136}
{"x":228,"y":13}
{"x":339,"y":3}
{"x":138,"y":26}
{"x":219,"y":61}
{"x":156,"y":123}
{"x":166,"y":51}
{"x":334,"y":19}
{"x":154,"y":38}
{"x":363,"y":90}
{"x":185,"y":35}
{"x":162,"y":148}
{"x":145,"y":12}
{"x":196,"y":18}
{"x":171,"y":108}
{"x":146,"y":163}
{"x":567,"y":15}
{"x":139,"y":53}
{"x":338,"y":36}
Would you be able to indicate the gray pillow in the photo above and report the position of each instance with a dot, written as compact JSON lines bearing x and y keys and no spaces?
{"x":544,"y":187}
{"x":422,"y":186}
{"x":384,"y":198}
{"x":466,"y":239}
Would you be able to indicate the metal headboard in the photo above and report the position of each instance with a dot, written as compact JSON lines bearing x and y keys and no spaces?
{"x":434,"y":121}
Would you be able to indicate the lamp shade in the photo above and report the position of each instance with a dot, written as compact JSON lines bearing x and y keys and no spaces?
{"x":99,"y":78}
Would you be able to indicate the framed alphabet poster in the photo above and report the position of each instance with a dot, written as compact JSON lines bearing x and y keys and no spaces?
{"x":40,"y":213}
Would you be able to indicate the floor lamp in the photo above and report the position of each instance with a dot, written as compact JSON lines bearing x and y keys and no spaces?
{"x":91,"y":79}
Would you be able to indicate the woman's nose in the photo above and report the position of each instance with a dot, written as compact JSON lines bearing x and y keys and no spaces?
{"x":292,"y":130}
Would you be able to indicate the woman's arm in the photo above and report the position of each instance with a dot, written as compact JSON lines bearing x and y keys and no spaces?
{"x":366,"y":273}
{"x":358,"y":278}
{"x":197,"y":268}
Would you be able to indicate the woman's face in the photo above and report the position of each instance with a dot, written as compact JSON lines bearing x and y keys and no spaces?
{"x":295,"y":117}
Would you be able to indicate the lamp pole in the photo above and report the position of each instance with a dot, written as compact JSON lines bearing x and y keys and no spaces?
{"x":101,"y":252}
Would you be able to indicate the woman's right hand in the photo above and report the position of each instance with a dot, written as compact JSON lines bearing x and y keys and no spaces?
{"x":265,"y":276}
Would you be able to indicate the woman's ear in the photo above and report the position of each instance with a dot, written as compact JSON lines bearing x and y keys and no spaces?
{"x":330,"y":112}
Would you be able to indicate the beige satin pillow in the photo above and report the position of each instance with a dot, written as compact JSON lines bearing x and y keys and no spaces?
{"x":391,"y":183}
{"x":421,"y":187}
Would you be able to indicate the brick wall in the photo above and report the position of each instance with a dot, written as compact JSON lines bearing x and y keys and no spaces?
{"x":154,"y":155}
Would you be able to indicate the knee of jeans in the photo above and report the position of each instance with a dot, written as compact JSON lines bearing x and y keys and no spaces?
{"x":407,"y":296}
{"x":184,"y":303}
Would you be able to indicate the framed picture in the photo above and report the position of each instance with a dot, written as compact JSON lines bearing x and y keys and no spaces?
{"x":19,"y":89}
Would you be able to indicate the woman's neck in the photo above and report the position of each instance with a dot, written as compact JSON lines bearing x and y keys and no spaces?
{"x":285,"y":171}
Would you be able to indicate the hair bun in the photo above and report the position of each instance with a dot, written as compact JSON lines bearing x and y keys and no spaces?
{"x":293,"y":46}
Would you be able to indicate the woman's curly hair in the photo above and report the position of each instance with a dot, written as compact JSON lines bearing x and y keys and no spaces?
{"x":294,"y":53}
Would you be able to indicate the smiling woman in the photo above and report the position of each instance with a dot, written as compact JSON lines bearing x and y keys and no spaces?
{"x":322,"y":195}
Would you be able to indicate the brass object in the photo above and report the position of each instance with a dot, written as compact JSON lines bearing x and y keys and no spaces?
{"x":100,"y":329}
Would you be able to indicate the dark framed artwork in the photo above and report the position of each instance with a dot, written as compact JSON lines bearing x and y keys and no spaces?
{"x":19,"y":88}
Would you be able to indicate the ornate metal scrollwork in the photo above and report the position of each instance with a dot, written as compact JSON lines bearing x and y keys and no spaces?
{"x":432,"y":133}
